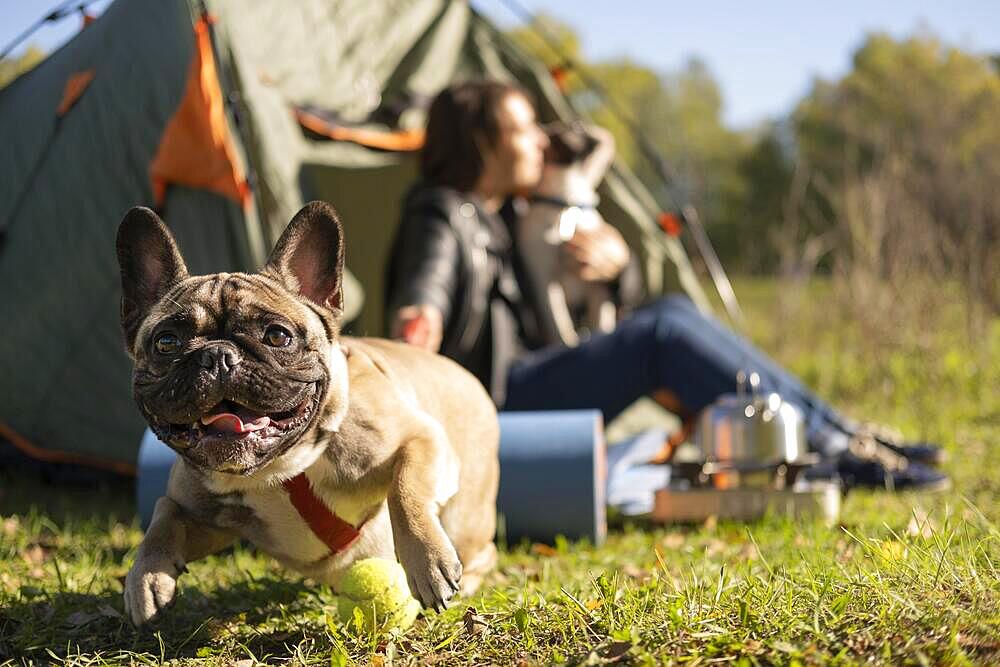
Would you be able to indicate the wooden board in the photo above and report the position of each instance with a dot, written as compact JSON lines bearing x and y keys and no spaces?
{"x":818,"y":500}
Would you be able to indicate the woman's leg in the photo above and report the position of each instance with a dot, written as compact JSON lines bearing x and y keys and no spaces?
{"x":668,"y":345}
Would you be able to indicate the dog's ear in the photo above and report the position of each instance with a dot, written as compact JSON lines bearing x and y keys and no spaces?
{"x":590,"y":143}
{"x":150,"y":265}
{"x":568,"y":143}
{"x":309,"y":256}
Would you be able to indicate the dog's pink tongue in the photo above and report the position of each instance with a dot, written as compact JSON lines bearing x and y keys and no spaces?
{"x":236,"y":423}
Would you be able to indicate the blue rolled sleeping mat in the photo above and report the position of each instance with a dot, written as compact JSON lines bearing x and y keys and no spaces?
{"x":554,"y":475}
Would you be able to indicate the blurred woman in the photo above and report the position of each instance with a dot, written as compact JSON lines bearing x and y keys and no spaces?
{"x":457,"y":286}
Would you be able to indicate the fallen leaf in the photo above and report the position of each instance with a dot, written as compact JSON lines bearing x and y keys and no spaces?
{"x":378,"y":660}
{"x":920,"y":525}
{"x":673,"y":540}
{"x":845,"y":550}
{"x":80,"y":618}
{"x":891,"y":550}
{"x":710,"y":523}
{"x":474,"y":623}
{"x":634,"y":572}
{"x":245,"y":662}
{"x":616,"y":651}
{"x":715,"y":547}
{"x":10,"y":526}
{"x":593,"y":603}
{"x":543,"y":550}
{"x":109,"y":611}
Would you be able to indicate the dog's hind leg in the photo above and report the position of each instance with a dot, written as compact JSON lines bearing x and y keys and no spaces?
{"x":475,"y":567}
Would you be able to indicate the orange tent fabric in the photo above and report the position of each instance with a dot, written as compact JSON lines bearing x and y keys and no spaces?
{"x":196,"y":149}
{"x":53,"y":456}
{"x":75,"y":87}
{"x":400,"y":140}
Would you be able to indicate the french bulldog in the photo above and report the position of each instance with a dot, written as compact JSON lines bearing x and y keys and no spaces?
{"x":565,"y":200}
{"x":320,"y":449}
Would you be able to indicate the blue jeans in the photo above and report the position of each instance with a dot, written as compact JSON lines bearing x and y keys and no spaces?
{"x":667,"y":345}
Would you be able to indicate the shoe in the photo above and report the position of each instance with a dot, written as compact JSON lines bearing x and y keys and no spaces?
{"x":856,"y":472}
{"x":919,"y":452}
{"x":868,"y":463}
{"x":926,"y":453}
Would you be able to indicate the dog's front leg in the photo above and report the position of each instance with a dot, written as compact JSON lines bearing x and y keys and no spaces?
{"x":425,"y":475}
{"x":172,"y":541}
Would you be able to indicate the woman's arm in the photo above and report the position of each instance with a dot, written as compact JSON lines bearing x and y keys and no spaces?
{"x":423,"y":277}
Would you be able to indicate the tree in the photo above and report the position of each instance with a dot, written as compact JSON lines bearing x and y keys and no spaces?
{"x":910,"y":95}
{"x":906,"y":148}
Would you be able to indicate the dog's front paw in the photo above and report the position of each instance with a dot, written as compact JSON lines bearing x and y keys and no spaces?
{"x":150,"y":587}
{"x":433,"y":571}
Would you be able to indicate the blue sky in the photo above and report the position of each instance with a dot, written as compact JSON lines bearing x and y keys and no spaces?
{"x":764,"y":54}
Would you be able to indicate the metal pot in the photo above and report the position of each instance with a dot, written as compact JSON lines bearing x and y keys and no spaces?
{"x":750,"y":430}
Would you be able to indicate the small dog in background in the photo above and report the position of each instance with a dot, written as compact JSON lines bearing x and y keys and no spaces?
{"x":566,"y":200}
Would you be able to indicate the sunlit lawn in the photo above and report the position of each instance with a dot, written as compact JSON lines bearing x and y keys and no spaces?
{"x":903,"y":578}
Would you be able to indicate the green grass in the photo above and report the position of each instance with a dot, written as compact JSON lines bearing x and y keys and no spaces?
{"x":904,"y":578}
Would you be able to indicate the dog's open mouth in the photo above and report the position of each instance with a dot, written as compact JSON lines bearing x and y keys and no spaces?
{"x":236,"y":438}
{"x":236,"y":419}
{"x":230,"y":421}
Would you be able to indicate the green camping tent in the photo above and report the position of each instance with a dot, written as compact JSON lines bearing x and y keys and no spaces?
{"x":227,"y":116}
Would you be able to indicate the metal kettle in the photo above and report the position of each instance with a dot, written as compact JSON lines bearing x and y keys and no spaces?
{"x":748,"y":429}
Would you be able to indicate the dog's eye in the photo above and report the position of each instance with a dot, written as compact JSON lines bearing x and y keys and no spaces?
{"x":167,"y":343}
{"x":276,"y":336}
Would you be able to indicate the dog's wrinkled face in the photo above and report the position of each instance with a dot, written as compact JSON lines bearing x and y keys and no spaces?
{"x":232,"y":370}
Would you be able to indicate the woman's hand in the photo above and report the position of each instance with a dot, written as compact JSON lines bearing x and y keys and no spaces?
{"x":419,"y":325}
{"x":599,"y":254}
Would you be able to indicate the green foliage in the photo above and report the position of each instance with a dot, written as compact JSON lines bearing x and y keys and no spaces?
{"x":905,"y":150}
{"x":766,"y":170}
{"x":11,"y":68}
{"x":916,"y":94}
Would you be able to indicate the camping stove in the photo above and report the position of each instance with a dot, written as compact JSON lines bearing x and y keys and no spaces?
{"x":744,"y":492}
{"x":722,"y":475}
{"x":750,"y":452}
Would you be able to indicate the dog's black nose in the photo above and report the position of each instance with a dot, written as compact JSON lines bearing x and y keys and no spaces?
{"x":220,"y":359}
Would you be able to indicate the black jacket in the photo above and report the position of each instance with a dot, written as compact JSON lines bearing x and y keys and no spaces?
{"x":450,"y":253}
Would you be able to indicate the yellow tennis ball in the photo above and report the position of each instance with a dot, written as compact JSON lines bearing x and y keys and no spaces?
{"x":375,"y":590}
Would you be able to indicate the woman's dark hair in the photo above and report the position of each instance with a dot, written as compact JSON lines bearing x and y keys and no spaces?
{"x":459,"y":116}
